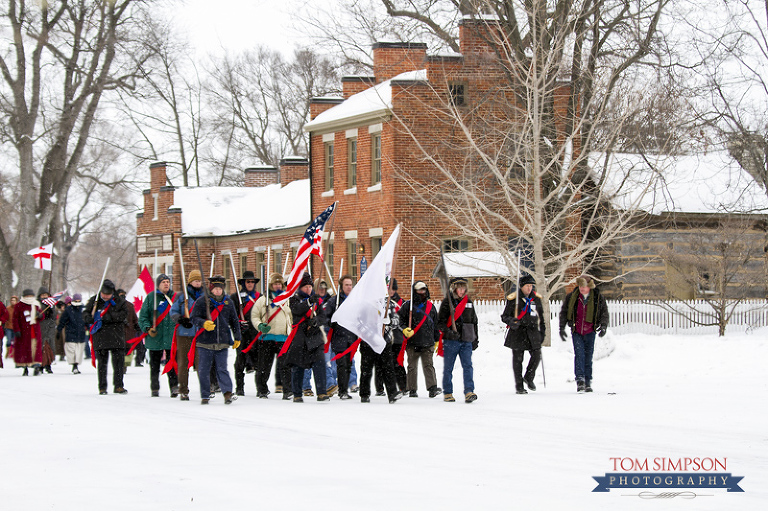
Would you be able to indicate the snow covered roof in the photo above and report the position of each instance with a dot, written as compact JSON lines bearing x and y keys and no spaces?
{"x":697,"y":183}
{"x":228,"y":210}
{"x":477,"y":264}
{"x":373,"y":103}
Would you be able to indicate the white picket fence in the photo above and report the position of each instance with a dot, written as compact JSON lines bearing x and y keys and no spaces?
{"x":650,"y":317}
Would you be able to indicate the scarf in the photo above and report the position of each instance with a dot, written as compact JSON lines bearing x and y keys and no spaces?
{"x":32,"y":301}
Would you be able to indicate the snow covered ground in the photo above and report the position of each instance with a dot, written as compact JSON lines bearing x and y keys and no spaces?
{"x":65,"y":447}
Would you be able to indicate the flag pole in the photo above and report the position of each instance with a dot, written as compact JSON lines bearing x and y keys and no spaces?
{"x":205,"y":291}
{"x":333,"y":284}
{"x":391,"y":275}
{"x":183,"y":280}
{"x":103,"y":276}
{"x":328,"y":240}
{"x":410,"y":305}
{"x":237,"y":290}
{"x":213,"y":258}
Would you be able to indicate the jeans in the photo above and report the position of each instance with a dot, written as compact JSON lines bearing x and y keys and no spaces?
{"x":330,"y":373}
{"x":155,"y":357}
{"x":205,"y":359}
{"x":452,"y":349}
{"x":297,"y":377}
{"x":583,"y":348}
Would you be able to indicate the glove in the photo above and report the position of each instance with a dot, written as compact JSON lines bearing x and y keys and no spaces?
{"x":601,"y":331}
{"x":236,"y":345}
{"x":386,"y":321}
{"x":475,"y":344}
{"x":152,"y":332}
{"x":209,"y":325}
{"x":450,"y":335}
{"x":313,"y":299}
{"x":436,"y":346}
{"x":514,"y":324}
{"x":264,"y":328}
{"x":408,"y":332}
{"x":243,"y":325}
{"x":563,"y":335}
{"x":312,"y":327}
{"x":185,"y":322}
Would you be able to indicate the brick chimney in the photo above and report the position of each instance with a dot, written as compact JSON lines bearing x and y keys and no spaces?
{"x":260,"y":176}
{"x":478,"y":35}
{"x":391,"y":59}
{"x":351,"y":85}
{"x":320,"y":105}
{"x":293,"y":168}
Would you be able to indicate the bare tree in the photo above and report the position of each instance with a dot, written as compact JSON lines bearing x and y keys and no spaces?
{"x":61,"y":57}
{"x":262,"y":101}
{"x":513,"y":167}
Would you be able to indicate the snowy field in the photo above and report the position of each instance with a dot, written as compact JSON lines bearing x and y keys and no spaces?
{"x":65,"y":447}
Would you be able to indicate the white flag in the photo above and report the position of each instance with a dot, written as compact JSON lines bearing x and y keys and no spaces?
{"x":42,"y":256}
{"x":364,"y":309}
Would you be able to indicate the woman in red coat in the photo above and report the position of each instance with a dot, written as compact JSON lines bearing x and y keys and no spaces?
{"x":27,"y":346}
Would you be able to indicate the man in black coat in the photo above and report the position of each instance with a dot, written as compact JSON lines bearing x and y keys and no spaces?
{"x":523,"y":315}
{"x":341,"y":338}
{"x":586,"y":312}
{"x":245,"y":362}
{"x":107,"y":327}
{"x":306,"y":348}
{"x":421,"y":335}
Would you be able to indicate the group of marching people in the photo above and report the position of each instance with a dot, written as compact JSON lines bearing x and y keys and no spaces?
{"x":300,"y":337}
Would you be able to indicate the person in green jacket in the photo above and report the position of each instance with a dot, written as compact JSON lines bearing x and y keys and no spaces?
{"x":155,"y":320}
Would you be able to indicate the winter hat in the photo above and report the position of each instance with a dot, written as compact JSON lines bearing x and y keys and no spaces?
{"x":419,"y":285}
{"x":321,"y":284}
{"x":77,"y":297}
{"x":527,"y":280}
{"x":247,"y":275}
{"x":394,"y":285}
{"x":108,"y":287}
{"x":194,"y":275}
{"x":276,"y":277}
{"x":306,"y":280}
{"x":216,"y":281}
{"x":585,"y":281}
{"x":43,"y":290}
{"x":27,"y":292}
{"x":458,"y":281}
{"x":67,"y":300}
{"x":161,"y":278}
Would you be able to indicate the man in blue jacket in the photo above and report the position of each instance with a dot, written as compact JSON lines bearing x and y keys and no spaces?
{"x":216,"y":315}
{"x":186,"y":330}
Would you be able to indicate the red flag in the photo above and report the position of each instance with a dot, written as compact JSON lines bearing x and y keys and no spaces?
{"x":141,"y":288}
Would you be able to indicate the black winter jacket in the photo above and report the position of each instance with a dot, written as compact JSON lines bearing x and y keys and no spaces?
{"x":341,"y":339}
{"x":599,"y":314}
{"x":428,"y":334}
{"x":528,"y":333}
{"x":72,"y":320}
{"x":250,"y":331}
{"x":466,"y":325}
{"x":309,"y":339}
{"x":111,"y":335}
{"x":226,"y":320}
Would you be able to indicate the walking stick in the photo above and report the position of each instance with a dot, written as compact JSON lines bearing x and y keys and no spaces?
{"x":183,"y":281}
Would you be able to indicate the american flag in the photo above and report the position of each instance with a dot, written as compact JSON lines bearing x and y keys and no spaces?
{"x":311,"y":243}
{"x":52,"y":300}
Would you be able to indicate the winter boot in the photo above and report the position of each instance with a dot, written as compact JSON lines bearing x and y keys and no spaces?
{"x":37,"y":372}
{"x":75,"y":370}
{"x":519,"y":389}
{"x":204,"y":401}
{"x":184,"y":397}
{"x":309,"y":393}
{"x":380,"y":393}
{"x":240,"y":391}
{"x":345,"y":396}
{"x":279,"y":389}
{"x":354,"y":388}
{"x":580,"y":386}
{"x":448,"y":398}
{"x":120,"y":390}
{"x":175,"y":391}
{"x":469,"y":397}
{"x":323,"y":397}
{"x":155,"y":393}
{"x":48,"y":369}
{"x":103,"y":392}
{"x":435,"y":391}
{"x":332,"y":390}
{"x":529,"y":382}
{"x":588,"y":386}
{"x":413,"y":393}
{"x":393,"y":399}
{"x":228,"y":398}
{"x":287,"y":396}
{"x":364,"y":399}
{"x":26,"y":371}
{"x":298,"y":399}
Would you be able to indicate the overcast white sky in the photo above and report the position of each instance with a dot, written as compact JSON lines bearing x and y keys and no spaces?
{"x":233,"y":25}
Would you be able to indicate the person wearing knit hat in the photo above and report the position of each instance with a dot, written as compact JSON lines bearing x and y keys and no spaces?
{"x":341,"y":338}
{"x":155,"y":320}
{"x":73,"y":326}
{"x":457,"y":320}
{"x":585,"y":310}
{"x":216,"y":315}
{"x":47,"y":322}
{"x":274,"y":322}
{"x":397,"y":340}
{"x":244,"y":300}
{"x":180,"y":314}
{"x":27,"y":345}
{"x":523,"y":314}
{"x":306,"y":349}
{"x":421,"y":336}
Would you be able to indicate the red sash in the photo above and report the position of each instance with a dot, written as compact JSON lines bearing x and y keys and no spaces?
{"x":191,"y":352}
{"x":171,"y":363}
{"x":136,"y":340}
{"x":295,"y":328}
{"x":351,"y":350}
{"x":401,"y":355}
{"x":457,"y":312}
{"x":251,"y":302}
{"x":269,"y":319}
{"x":93,"y":353}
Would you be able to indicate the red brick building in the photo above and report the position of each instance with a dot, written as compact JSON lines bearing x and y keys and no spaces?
{"x":359,"y":146}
